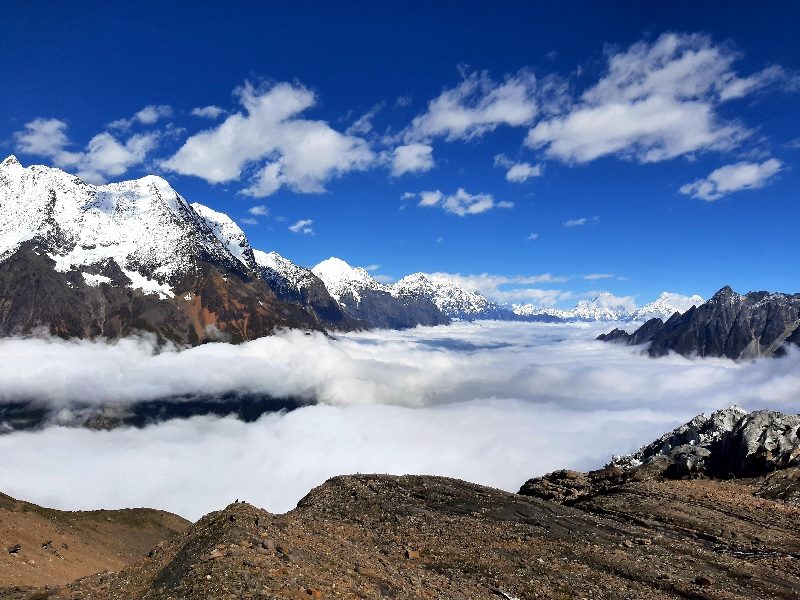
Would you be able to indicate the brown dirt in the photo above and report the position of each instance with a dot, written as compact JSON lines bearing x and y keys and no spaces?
{"x":429,"y":537}
{"x":58,"y":546}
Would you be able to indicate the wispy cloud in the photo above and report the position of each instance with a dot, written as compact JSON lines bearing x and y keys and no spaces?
{"x":260,"y":210}
{"x":733,"y":178}
{"x":302,"y":226}
{"x":580,"y":221}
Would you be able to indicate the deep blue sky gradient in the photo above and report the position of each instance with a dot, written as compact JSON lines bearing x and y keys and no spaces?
{"x":89,"y":63}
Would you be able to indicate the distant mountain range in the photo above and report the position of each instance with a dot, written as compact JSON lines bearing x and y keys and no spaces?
{"x":732,"y":325}
{"x":84,"y":261}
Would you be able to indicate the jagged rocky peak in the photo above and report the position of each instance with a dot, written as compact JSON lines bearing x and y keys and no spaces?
{"x":754,"y":325}
{"x":10,"y":161}
{"x":729,"y":442}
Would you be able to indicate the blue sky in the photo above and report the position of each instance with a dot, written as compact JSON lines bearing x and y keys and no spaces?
{"x":655,"y":147}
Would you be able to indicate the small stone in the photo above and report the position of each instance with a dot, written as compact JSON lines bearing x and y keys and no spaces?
{"x":627,"y":544}
{"x":14,"y":549}
{"x":702,"y":580}
{"x":412,"y":554}
{"x":644,"y":541}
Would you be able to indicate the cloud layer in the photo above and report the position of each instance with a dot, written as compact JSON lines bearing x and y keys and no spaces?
{"x":489,"y":402}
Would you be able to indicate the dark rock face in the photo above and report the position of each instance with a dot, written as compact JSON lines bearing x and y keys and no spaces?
{"x":729,"y":443}
{"x":313,"y":296}
{"x":381,"y":309}
{"x":213,"y":302}
{"x":729,"y":324}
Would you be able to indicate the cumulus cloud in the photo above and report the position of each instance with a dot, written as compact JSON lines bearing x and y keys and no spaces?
{"x":271,"y":137}
{"x":208,"y":112}
{"x":533,"y":236}
{"x":149,"y":115}
{"x":105,"y":156}
{"x":476,"y":106}
{"x":494,"y":403}
{"x":260,"y":210}
{"x":461,"y":203}
{"x":733,"y":178}
{"x":517,"y":172}
{"x":302,"y":226}
{"x":412,"y":158}
{"x":656,"y":101}
{"x":248,"y":221}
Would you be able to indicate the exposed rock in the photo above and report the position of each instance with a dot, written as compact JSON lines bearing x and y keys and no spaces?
{"x":432,"y":538}
{"x":729,"y":324}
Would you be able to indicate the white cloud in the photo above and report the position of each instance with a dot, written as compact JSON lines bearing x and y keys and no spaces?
{"x":302,"y":226}
{"x":596,"y":276}
{"x":248,"y":221}
{"x":269,"y":135}
{"x":521,"y":172}
{"x":372,"y":267}
{"x":208,"y":112}
{"x":260,"y":210}
{"x":517,"y":172}
{"x":149,"y":115}
{"x":655,"y":102}
{"x":494,"y":403}
{"x":576,"y":222}
{"x":363,"y":125}
{"x":105,"y":156}
{"x":412,"y":158}
{"x":533,"y":236}
{"x":476,"y":106}
{"x":461,"y":203}
{"x":507,"y":289}
{"x":733,"y":178}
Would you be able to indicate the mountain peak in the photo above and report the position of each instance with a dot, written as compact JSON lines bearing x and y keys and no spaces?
{"x":10,"y":161}
{"x":724,"y":293}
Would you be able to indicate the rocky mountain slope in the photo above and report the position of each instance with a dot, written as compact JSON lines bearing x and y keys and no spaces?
{"x":450,"y":298}
{"x":365,"y":299}
{"x":85,"y":261}
{"x":298,"y":285}
{"x":46,"y":547}
{"x":729,"y":324}
{"x":634,"y":529}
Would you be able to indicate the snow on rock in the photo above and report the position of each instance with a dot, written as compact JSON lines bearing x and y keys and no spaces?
{"x":143,"y":225}
{"x":284,"y":275}
{"x":227,"y":232}
{"x":453,"y":300}
{"x":342,"y":280}
{"x":666,"y":305}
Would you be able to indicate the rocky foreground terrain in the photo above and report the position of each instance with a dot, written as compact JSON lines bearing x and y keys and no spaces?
{"x":639,"y":528}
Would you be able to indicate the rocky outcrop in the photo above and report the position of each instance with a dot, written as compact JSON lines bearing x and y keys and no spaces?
{"x":378,"y":536}
{"x":731,"y":325}
{"x":209,"y":303}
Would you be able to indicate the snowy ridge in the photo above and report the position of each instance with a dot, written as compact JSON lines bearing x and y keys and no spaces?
{"x":227,"y":232}
{"x":283,"y":273}
{"x":666,"y":305}
{"x":342,"y":280}
{"x":143,"y":225}
{"x":453,"y":300}
{"x":607,"y":307}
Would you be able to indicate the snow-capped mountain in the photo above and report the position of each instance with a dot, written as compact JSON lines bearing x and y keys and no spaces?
{"x":452,"y":299}
{"x":342,"y":280}
{"x":607,"y":307}
{"x":364,"y":298}
{"x":143,"y":225}
{"x":293,"y":283}
{"x":107,"y":260}
{"x":666,"y":305}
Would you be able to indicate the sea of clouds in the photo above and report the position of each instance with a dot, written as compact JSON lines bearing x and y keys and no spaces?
{"x":490,"y":402}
